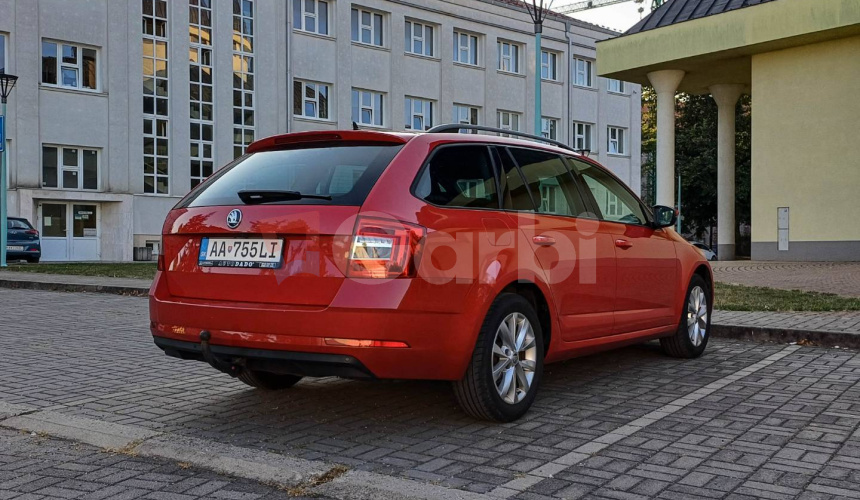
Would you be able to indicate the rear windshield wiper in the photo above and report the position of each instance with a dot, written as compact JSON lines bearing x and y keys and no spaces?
{"x":256,"y":197}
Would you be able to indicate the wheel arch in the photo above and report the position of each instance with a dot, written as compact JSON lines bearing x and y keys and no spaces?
{"x":539,"y":301}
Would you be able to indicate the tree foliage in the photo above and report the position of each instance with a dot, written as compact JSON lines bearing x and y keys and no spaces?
{"x":696,"y":158}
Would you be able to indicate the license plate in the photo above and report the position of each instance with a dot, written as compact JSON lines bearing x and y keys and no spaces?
{"x":236,"y":252}
{"x":14,"y":248}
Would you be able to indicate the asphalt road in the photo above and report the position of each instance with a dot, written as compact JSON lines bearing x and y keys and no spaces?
{"x":744,"y":421}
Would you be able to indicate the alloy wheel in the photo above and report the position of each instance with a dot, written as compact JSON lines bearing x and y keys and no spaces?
{"x":697,"y":316}
{"x":514,"y":358}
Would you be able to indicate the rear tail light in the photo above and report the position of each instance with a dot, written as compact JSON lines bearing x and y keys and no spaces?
{"x":32,"y":232}
{"x":160,"y":265}
{"x":384,"y":249}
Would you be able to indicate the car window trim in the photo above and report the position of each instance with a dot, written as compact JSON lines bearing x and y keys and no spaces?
{"x":426,"y":165}
{"x":585,"y":202}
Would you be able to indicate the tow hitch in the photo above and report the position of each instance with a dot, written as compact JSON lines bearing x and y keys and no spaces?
{"x":233,"y":368}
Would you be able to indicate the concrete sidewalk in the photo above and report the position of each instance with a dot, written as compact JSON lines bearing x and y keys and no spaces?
{"x":841,"y":278}
{"x":72,"y":283}
{"x":823,"y":328}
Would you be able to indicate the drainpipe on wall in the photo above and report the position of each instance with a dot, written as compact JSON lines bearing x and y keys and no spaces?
{"x":569,"y":124}
{"x":288,"y":55}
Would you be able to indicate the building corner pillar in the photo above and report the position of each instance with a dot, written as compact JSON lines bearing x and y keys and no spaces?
{"x":726,"y":96}
{"x":665,"y":83}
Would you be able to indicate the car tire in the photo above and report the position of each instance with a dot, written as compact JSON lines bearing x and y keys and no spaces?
{"x":479,"y":392}
{"x":268,"y":381}
{"x":33,"y":260}
{"x":694,"y":326}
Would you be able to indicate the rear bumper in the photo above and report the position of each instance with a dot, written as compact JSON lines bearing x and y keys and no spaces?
{"x":296,"y":363}
{"x":440,"y":338}
{"x":29,"y":250}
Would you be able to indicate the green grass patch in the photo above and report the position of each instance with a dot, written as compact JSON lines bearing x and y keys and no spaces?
{"x":140,"y":270}
{"x":756,"y":298}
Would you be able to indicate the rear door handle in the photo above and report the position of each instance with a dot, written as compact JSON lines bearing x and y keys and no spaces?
{"x":623,"y":244}
{"x":544,"y":241}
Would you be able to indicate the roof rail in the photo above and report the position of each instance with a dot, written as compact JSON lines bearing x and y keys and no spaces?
{"x":456,"y":127}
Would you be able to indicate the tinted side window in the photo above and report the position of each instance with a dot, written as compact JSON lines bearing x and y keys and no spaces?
{"x":459,"y":176}
{"x":517,"y":195}
{"x":550,"y":182}
{"x":614,"y":201}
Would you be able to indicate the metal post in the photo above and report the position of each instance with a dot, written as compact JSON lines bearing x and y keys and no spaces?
{"x":679,"y":204}
{"x":538,"y":111}
{"x":3,"y":211}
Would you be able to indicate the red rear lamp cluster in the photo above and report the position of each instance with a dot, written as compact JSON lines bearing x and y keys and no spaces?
{"x":32,"y":231}
{"x":384,"y":249}
{"x":364,"y":343}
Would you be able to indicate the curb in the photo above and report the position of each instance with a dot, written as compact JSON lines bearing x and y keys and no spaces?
{"x":787,"y":335}
{"x":74,"y":287}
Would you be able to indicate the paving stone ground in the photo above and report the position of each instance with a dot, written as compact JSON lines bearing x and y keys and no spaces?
{"x":787,"y":430}
{"x":841,"y":278}
{"x":36,"y":467}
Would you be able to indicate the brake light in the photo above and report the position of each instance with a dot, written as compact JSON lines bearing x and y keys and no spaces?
{"x":384,"y":249}
{"x":32,"y":231}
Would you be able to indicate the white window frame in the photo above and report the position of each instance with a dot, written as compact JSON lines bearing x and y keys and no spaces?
{"x":549,"y":127}
{"x":300,"y":23}
{"x":158,"y":123}
{"x":356,"y":36}
{"x":551,"y":66}
{"x":244,"y":70}
{"x":314,"y":100}
{"x":512,"y":118}
{"x":78,"y":66}
{"x":616,"y":138}
{"x":377,"y":117}
{"x":583,"y":132}
{"x":461,"y":110}
{"x":615,"y":86}
{"x":512,"y":60}
{"x":425,"y":115}
{"x":78,"y":169}
{"x":428,"y":49}
{"x":460,"y":48}
{"x":583,"y":72}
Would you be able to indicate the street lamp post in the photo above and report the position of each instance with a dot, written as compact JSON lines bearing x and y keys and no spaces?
{"x":7,"y":82}
{"x":537,"y":11}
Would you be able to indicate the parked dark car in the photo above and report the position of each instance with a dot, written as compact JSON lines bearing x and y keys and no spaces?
{"x":22,"y":241}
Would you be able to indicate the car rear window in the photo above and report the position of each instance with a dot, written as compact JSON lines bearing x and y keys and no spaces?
{"x":346,"y":173}
{"x":17,"y":224}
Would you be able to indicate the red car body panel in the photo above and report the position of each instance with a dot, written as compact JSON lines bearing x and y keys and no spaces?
{"x":615,"y":296}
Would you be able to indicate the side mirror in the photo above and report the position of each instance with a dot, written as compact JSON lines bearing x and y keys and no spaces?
{"x":664,"y":216}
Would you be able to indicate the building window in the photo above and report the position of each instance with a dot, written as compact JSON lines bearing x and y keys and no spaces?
{"x":582,"y":136}
{"x":465,"y":48}
{"x":2,"y":53}
{"x":156,"y":148}
{"x":509,"y":57}
{"x":243,"y":76}
{"x":311,"y":16}
{"x":467,"y":115}
{"x":310,"y":100}
{"x":613,"y":85}
{"x":615,"y":141}
{"x":69,"y":66}
{"x":419,"y":38}
{"x":419,"y":114}
{"x":366,"y":27}
{"x":549,"y":128}
{"x":509,"y":120}
{"x":548,"y":65}
{"x":367,"y":107}
{"x":201,"y":90}
{"x":582,"y":72}
{"x":70,"y":168}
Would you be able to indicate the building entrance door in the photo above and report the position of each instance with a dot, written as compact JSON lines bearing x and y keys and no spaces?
{"x":70,"y":231}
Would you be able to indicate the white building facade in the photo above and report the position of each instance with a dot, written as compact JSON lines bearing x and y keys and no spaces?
{"x":123,"y":106}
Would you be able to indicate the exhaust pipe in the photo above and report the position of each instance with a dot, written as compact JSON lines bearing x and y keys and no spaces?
{"x":234,"y":368}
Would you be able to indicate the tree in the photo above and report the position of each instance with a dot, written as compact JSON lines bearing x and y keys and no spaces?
{"x":696,"y":159}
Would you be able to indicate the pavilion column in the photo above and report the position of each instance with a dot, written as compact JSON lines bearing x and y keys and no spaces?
{"x":726,"y":96}
{"x":665,"y":83}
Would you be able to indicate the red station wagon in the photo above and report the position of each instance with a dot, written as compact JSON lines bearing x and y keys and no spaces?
{"x":440,"y":255}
